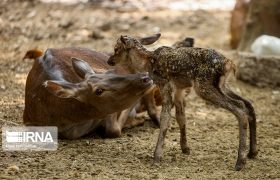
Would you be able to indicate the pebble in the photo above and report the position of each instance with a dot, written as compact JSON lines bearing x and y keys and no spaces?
{"x":31,"y":14}
{"x":13,"y":168}
{"x":65,"y":24}
{"x":105,"y":26}
{"x":275,"y":92}
{"x":20,"y":106}
{"x":124,"y":27}
{"x":156,"y":29}
{"x":3,"y":87}
{"x":96,"y":35}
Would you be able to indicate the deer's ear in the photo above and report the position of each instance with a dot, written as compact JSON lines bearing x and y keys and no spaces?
{"x":81,"y":67}
{"x":123,"y":40}
{"x":62,"y":89}
{"x":150,"y":39}
{"x":127,"y":41}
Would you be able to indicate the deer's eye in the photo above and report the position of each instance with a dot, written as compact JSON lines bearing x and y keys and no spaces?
{"x":99,"y":91}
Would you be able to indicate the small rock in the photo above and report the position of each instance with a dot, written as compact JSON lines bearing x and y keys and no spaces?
{"x":38,"y":37}
{"x":124,"y":27}
{"x":84,"y":32}
{"x":105,"y":27}
{"x":65,"y":24}
{"x":20,"y":106}
{"x":145,"y":17}
{"x":13,"y":169}
{"x":275,"y":92}
{"x":156,"y":29}
{"x":31,"y":14}
{"x":96,"y":35}
{"x":2,"y":87}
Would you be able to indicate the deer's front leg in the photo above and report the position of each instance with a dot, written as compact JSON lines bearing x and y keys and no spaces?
{"x":165,"y":117}
{"x":179,"y":101}
{"x":149,"y":101}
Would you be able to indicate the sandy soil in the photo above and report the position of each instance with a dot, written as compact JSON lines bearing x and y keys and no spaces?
{"x":212,"y":132}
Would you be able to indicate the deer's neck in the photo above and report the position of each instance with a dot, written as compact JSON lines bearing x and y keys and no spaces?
{"x":137,"y":63}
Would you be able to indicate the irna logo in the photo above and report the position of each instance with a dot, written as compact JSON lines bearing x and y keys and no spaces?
{"x":36,"y":138}
{"x":28,"y":137}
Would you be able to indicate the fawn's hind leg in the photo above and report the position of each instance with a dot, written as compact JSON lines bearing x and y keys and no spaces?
{"x":165,"y":117}
{"x":179,"y":101}
{"x":214,"y":94}
{"x":252,"y":121}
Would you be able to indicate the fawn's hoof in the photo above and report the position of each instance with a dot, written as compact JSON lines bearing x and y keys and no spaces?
{"x":252,"y":154}
{"x":156,"y":160}
{"x":240,"y":164}
{"x":186,"y":150}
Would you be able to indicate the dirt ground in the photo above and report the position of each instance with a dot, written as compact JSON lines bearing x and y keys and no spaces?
{"x":212,"y":133}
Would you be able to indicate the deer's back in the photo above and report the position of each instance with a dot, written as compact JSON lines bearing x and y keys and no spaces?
{"x":44,"y":108}
{"x":189,"y":63}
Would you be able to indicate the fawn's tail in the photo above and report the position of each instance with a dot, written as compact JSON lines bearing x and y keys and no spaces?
{"x":230,"y":67}
{"x":33,"y":54}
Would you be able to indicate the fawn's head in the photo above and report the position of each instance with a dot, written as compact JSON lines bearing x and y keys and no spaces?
{"x":130,"y":51}
{"x":107,"y":92}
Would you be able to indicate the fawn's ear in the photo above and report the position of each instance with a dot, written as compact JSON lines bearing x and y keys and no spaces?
{"x":123,"y":40}
{"x":62,"y":89}
{"x":150,"y":39}
{"x":127,"y":41}
{"x":81,"y":67}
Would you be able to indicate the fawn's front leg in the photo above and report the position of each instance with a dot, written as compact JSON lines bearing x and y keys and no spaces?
{"x":165,"y":117}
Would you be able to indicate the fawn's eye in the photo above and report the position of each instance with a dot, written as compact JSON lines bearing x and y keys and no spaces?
{"x":99,"y":91}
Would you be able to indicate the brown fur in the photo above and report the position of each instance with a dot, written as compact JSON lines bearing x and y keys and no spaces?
{"x":175,"y":70}
{"x":148,"y":102}
{"x":77,"y":116}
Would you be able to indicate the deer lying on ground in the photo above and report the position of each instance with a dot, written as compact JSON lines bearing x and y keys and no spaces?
{"x":66,"y":92}
{"x":176,"y":69}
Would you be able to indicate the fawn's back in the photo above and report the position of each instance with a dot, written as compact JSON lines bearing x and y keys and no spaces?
{"x":189,"y":63}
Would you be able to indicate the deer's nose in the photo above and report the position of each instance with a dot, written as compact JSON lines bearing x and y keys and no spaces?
{"x":111,"y":61}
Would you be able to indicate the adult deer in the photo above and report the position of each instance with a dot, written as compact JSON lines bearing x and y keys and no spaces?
{"x":79,"y":95}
